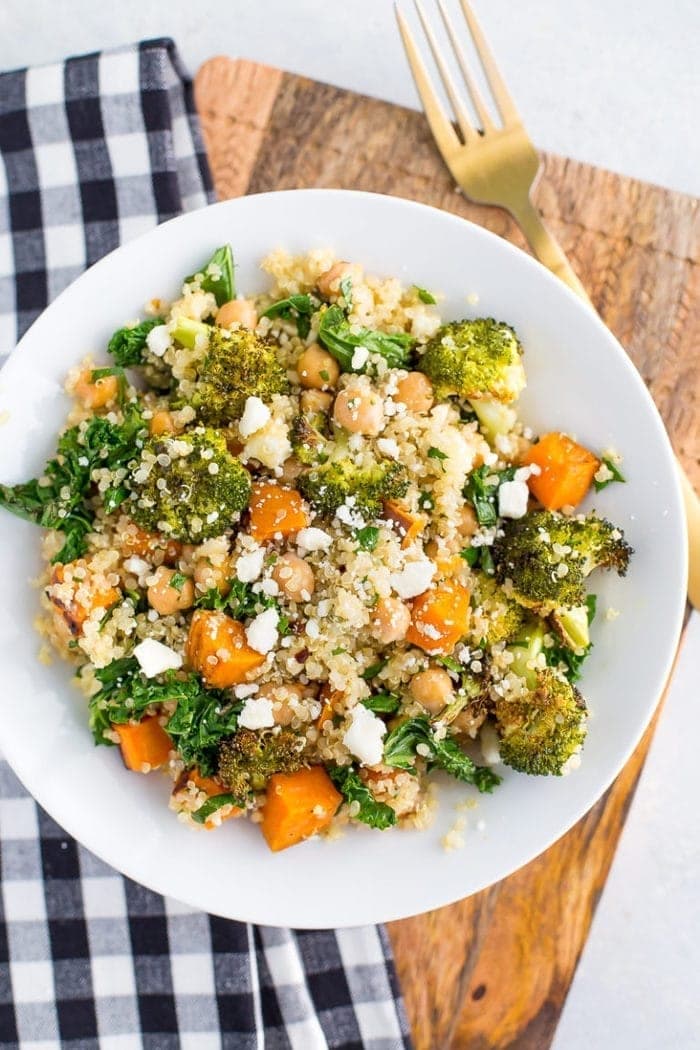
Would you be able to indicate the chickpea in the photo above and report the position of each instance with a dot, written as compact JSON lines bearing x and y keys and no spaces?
{"x":359,"y":410}
{"x":415,"y":392}
{"x":285,"y":699}
{"x":162,"y":423}
{"x":294,"y":577}
{"x":432,"y":689}
{"x":317,"y":369}
{"x":96,"y":393}
{"x":390,"y":621}
{"x":329,"y":282}
{"x":165,"y":598}
{"x":237,"y":311}
{"x":208,"y":576}
{"x":315,"y":401}
{"x":467,"y":523}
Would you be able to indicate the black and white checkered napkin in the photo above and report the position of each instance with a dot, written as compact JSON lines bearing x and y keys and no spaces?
{"x":92,"y":152}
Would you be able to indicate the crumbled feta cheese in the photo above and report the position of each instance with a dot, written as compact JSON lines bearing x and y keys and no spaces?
{"x":255,"y":415}
{"x":512,"y":499}
{"x":158,"y":340}
{"x":488,"y":741}
{"x":365,"y":735}
{"x":155,"y":658}
{"x":242,"y":692}
{"x":270,"y":445}
{"x":262,"y":631}
{"x":257,"y":714}
{"x":359,"y":358}
{"x":312,"y":539}
{"x":270,"y":588}
{"x":349,"y":516}
{"x":136,"y":566}
{"x":312,"y":629}
{"x":413,"y":579}
{"x":249,"y":566}
{"x":388,"y":447}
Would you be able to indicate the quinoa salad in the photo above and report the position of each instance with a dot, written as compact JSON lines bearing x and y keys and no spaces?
{"x":304,"y":556}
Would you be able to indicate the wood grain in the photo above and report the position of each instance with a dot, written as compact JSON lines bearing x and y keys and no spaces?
{"x":492,"y":972}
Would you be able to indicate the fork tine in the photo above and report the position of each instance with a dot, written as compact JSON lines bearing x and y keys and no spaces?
{"x":463,"y":120}
{"x":479,"y":105}
{"x":496,"y":83}
{"x":440,"y":125}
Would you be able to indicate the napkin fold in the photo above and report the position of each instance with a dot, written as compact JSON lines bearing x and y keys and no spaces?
{"x":94,"y":151}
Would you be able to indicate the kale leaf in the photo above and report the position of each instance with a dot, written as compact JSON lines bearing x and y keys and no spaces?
{"x":222,"y":284}
{"x":376,"y":814}
{"x":400,"y":750}
{"x":128,"y":344}
{"x":60,"y":499}
{"x":482,"y":492}
{"x":295,"y":307}
{"x":342,"y":340}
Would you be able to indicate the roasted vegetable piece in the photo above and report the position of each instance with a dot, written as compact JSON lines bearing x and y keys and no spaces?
{"x":237,"y":365}
{"x":566,"y":471}
{"x":408,"y":525}
{"x":144,"y":746}
{"x":440,"y":617}
{"x":275,"y":510}
{"x":544,"y":558}
{"x":310,"y":435}
{"x":217,"y":648}
{"x":475,"y":360}
{"x":211,"y":789}
{"x":503,"y":615}
{"x":74,"y":595}
{"x":339,"y":480}
{"x":248,"y":759}
{"x":541,"y":730}
{"x":297,"y":806}
{"x":189,"y":487}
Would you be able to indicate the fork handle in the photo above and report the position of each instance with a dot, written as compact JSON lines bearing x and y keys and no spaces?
{"x":546,"y":247}
{"x":550,"y":254}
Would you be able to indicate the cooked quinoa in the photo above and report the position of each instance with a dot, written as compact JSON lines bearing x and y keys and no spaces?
{"x":303,"y":554}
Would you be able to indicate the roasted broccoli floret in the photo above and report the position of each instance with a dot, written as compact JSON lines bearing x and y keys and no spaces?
{"x":189,"y":487}
{"x":544,"y":558}
{"x":479,"y":359}
{"x":237,"y":365}
{"x":541,"y":730}
{"x":504,"y":617}
{"x":248,"y":759}
{"x":309,"y":437}
{"x":339,"y":480}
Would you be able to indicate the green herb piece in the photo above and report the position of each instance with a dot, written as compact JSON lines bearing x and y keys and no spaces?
{"x":400,"y":750}
{"x":346,"y":291}
{"x":482,"y":492}
{"x":178,"y":581}
{"x":338,"y":651}
{"x":426,"y":501}
{"x":342,"y":340}
{"x":201,"y":815}
{"x":486,"y":563}
{"x":382,"y":703}
{"x":614,"y":471}
{"x":437,"y":453}
{"x":367,"y":538}
{"x":128,"y":344}
{"x":374,"y":670}
{"x":425,"y":296}
{"x":471,"y":555}
{"x":295,"y":307}
{"x":221,"y":282}
{"x":61,"y":498}
{"x":375,"y":814}
{"x":451,"y":664}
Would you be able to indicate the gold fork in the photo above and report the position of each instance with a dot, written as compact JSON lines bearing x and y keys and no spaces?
{"x":497,"y":164}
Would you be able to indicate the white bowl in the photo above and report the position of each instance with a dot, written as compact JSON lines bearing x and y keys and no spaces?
{"x":579,"y":379}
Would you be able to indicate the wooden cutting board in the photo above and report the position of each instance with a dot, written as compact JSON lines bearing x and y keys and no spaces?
{"x":492,"y":971}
